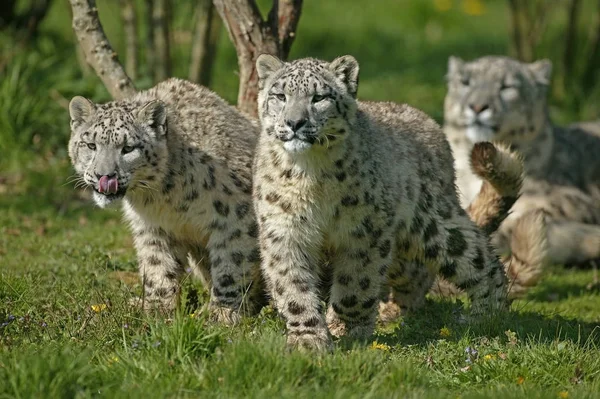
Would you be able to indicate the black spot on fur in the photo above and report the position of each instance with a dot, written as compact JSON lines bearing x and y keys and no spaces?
{"x":384,"y":248}
{"x":226,"y":281}
{"x":221,"y":208}
{"x":430,"y":231}
{"x":312,"y":322}
{"x":350,"y":200}
{"x":448,"y":269}
{"x":295,"y":308}
{"x":349,"y":301}
{"x":237,"y":258}
{"x":344,"y":279}
{"x":369,"y":303}
{"x":457,"y":244}
{"x":254,"y":255}
{"x":364,"y":283}
{"x":479,"y":261}
{"x":153,"y":260}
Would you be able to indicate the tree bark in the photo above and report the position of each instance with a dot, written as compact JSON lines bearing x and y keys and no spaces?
{"x":288,"y":16}
{"x":204,"y":45}
{"x":591,"y":70}
{"x":160,"y":22}
{"x":253,"y":36}
{"x":571,"y":41}
{"x":149,"y":47}
{"x":98,"y":52}
{"x":131,"y":38}
{"x":516,"y":33}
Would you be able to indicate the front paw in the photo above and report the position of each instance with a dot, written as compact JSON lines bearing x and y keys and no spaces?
{"x":224,"y":315}
{"x":160,"y":306}
{"x":310,"y":341}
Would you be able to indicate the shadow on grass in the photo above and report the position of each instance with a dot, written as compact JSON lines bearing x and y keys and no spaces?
{"x":553,"y":291}
{"x":442,"y":320}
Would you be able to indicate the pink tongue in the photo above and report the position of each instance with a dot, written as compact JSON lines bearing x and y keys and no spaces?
{"x":108,"y":185}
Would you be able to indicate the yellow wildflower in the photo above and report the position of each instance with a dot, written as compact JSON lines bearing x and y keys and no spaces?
{"x":442,"y":5}
{"x":113,"y":359}
{"x":99,"y":307}
{"x":520,"y":380}
{"x":473,"y":7}
{"x":377,"y":345}
{"x":445,"y":332}
{"x":489,"y":357}
{"x":563,"y":394}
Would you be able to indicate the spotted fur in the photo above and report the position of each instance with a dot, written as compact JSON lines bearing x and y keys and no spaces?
{"x":501,"y":99}
{"x":363,"y":188}
{"x":182,"y":157}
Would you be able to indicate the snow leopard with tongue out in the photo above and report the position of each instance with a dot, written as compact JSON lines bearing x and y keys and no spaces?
{"x":180,"y":159}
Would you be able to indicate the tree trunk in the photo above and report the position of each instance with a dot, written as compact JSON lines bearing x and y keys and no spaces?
{"x":98,"y":52}
{"x":253,"y":36}
{"x":516,"y":32}
{"x":288,"y":15}
{"x":571,"y":42}
{"x":149,"y":47}
{"x":592,"y":65}
{"x":131,"y":37}
{"x":204,"y":45}
{"x":160,"y":22}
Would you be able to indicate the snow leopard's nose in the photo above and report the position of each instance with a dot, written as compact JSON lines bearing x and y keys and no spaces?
{"x":295,"y":124}
{"x":108,"y":175}
{"x":478,"y":108}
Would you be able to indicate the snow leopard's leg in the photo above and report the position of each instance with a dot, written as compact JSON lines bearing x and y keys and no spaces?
{"x":161,"y":265}
{"x":359,"y":275}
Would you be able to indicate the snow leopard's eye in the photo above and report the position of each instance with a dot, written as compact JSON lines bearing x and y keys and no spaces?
{"x":127,"y":149}
{"x":317,"y":98}
{"x":91,"y":146}
{"x":465,"y":81}
{"x":280,"y":96}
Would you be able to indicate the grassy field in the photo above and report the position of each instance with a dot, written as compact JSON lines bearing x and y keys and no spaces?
{"x":67,"y":269}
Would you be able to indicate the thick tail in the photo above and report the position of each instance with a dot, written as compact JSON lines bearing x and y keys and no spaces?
{"x":502,"y":173}
{"x":528,"y":253}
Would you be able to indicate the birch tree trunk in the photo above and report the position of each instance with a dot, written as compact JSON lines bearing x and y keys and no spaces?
{"x":98,"y":52}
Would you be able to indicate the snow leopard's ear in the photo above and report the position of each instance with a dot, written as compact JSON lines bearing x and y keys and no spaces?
{"x":266,"y":65}
{"x":455,"y":66}
{"x":542,"y":71}
{"x":153,"y":115}
{"x":81,"y":110}
{"x":345,"y":68}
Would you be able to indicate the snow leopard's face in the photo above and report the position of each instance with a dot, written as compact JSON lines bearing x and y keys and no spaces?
{"x":116,"y":147}
{"x":307,"y":103}
{"x":497,"y":98}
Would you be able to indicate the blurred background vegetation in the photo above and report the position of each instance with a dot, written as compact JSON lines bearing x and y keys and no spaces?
{"x":402,"y":47}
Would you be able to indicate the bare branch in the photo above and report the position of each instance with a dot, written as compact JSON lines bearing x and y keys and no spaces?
{"x":251,"y":37}
{"x":206,"y":35}
{"x":288,"y":16}
{"x":160,"y":21}
{"x":98,"y":52}
{"x":131,"y":37}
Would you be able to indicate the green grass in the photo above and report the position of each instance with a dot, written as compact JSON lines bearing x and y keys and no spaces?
{"x":67,"y":269}
{"x":63,"y":262}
